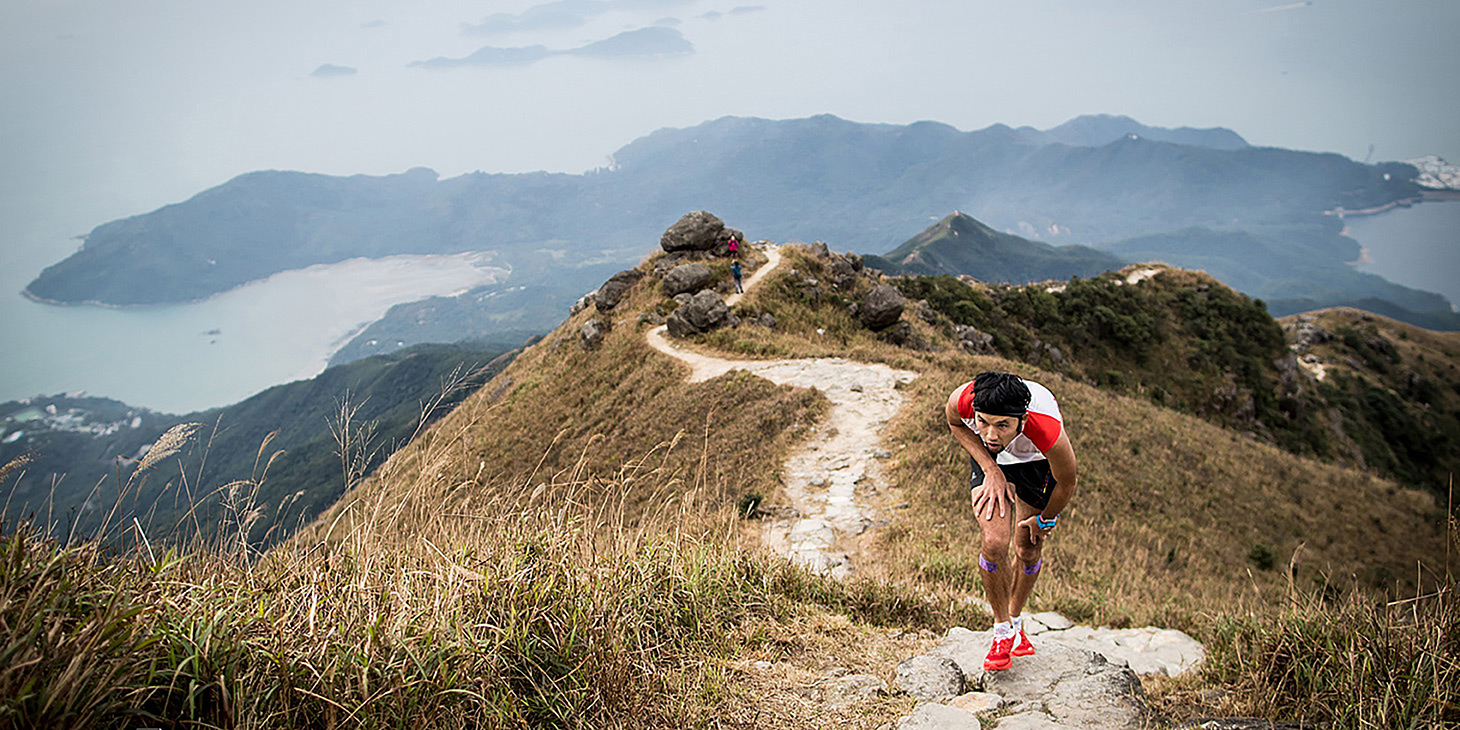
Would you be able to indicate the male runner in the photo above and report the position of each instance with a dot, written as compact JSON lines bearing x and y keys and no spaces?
{"x":1022,"y":458}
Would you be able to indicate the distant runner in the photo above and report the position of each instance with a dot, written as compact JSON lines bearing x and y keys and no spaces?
{"x":1021,"y":458}
{"x":735,"y":272}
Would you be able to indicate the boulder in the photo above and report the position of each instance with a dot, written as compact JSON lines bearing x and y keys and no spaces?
{"x":704,"y":312}
{"x":722,"y":246}
{"x":901,"y":334}
{"x":843,"y":275}
{"x":926,"y":312}
{"x":696,"y":231}
{"x":583,"y":302}
{"x":881,"y":307}
{"x":930,"y":678}
{"x":592,"y":333}
{"x":819,"y":250}
{"x":686,"y":279}
{"x":613,"y":290}
{"x":707,"y":311}
{"x":678,"y":325}
{"x":974,"y":340}
{"x":767,"y":320}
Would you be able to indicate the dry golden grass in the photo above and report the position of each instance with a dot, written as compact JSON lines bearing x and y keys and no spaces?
{"x":564,"y":550}
{"x":1177,"y":521}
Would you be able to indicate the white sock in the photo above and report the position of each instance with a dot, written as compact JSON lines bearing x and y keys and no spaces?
{"x":1017,"y":622}
{"x":1003,"y":630}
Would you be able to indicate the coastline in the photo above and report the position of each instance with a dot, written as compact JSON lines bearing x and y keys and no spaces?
{"x":38,"y":299}
{"x":1413,"y":247}
{"x":1426,"y":196}
{"x":477,"y":259}
{"x":1343,"y":212}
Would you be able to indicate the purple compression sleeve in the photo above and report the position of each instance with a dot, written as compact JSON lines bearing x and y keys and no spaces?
{"x":987,"y":564}
{"x":1032,"y":569}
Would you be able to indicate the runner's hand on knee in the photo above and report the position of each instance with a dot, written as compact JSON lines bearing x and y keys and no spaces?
{"x":994,"y":492}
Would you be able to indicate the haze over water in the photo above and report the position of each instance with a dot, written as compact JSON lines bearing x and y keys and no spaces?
{"x":181,"y":358}
{"x":114,"y":109}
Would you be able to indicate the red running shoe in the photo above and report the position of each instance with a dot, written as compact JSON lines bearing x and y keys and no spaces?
{"x":1023,"y":648}
{"x":998,"y":657}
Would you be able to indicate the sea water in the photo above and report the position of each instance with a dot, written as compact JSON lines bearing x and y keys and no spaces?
{"x":1418,"y":246}
{"x":186,"y":357}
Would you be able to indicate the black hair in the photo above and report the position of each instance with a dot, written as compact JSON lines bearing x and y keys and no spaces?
{"x":1000,"y":394}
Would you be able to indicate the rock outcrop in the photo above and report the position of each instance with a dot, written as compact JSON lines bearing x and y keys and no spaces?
{"x":881,"y":307}
{"x":699,"y":231}
{"x":612,"y":291}
{"x":843,"y":272}
{"x":592,"y":332}
{"x":704,"y":312}
{"x":930,"y":678}
{"x":686,"y":279}
{"x":974,"y":340}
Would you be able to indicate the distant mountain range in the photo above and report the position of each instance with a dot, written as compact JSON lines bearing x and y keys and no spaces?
{"x":1253,"y":217}
{"x":959,"y":244}
{"x":1098,"y":130}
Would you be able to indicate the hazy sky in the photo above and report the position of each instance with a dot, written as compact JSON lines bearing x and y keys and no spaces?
{"x":115,"y":107}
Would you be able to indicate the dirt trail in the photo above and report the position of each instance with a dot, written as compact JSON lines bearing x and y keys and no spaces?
{"x":836,"y":486}
{"x":834,"y":481}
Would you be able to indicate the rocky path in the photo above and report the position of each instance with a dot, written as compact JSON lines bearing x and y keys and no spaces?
{"x":834,"y":481}
{"x":1082,"y":677}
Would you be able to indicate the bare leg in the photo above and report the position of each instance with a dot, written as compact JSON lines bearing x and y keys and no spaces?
{"x":994,"y":551}
{"x":1025,"y":570}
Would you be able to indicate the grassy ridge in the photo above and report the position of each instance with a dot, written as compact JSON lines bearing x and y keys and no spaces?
{"x":560,"y":409}
{"x":563,"y":550}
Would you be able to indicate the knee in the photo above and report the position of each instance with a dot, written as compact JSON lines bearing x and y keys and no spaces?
{"x":995,"y":546}
{"x":1028,"y":554}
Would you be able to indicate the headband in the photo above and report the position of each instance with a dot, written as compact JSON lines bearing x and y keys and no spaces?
{"x":1005,"y":411}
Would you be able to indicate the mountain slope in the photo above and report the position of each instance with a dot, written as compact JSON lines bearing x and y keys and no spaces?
{"x":1392,"y":388}
{"x":576,"y":545}
{"x":75,"y":471}
{"x":958,"y":244}
{"x":1182,"y":496}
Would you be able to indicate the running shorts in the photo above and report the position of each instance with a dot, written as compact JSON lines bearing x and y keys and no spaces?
{"x":1032,"y":480}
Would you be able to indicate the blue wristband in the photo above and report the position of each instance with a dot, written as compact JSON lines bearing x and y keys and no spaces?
{"x":1039,"y":520}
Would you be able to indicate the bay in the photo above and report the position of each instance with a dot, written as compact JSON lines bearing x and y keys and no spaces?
{"x":1418,"y":246}
{"x":188,"y":357}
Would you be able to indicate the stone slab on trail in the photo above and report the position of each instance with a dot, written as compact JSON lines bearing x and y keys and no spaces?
{"x":1146,"y":650}
{"x":931,"y":716}
{"x":1079,"y":677}
{"x":1060,"y":686}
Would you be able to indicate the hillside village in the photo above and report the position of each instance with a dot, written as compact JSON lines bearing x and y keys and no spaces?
{"x":692,"y":507}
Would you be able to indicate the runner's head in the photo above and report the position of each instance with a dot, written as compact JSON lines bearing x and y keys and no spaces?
{"x":1000,"y":401}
